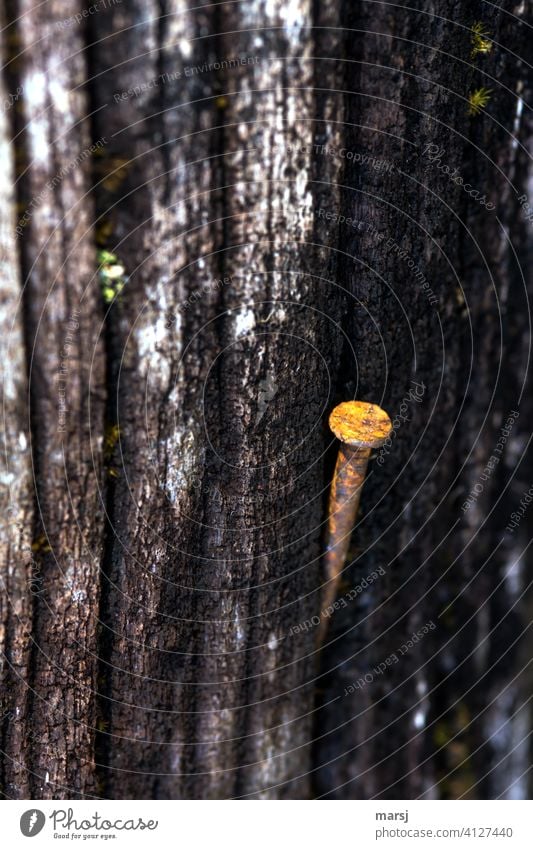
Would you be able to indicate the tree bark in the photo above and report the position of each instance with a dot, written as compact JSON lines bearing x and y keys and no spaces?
{"x":232,"y":217}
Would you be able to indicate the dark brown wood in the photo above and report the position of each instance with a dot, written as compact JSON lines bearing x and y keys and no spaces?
{"x":67,"y":391}
{"x":175,"y":512}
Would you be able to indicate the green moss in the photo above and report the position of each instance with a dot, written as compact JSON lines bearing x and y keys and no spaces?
{"x":111,"y":437}
{"x":480,"y":42}
{"x":477,"y":100}
{"x":104,"y":230}
{"x":112,"y":274}
{"x":451,"y":736}
{"x":40,"y":544}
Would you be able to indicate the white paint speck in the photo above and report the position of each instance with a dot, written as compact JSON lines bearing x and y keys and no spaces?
{"x":239,"y":633}
{"x":39,"y":147}
{"x":419,"y":719}
{"x":185,"y":47}
{"x":59,"y":95}
{"x":149,"y":339}
{"x":35,"y":92}
{"x":292,"y":15}
{"x":421,"y":687}
{"x":513,"y":575}
{"x":186,"y":471}
{"x":272,"y":642}
{"x":244,"y":321}
{"x":35,"y":89}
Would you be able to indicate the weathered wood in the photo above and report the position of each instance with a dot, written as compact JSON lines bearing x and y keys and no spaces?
{"x":177,"y":508}
{"x":411,"y":76}
{"x":17,"y":573}
{"x":229,"y":575}
{"x":67,"y":392}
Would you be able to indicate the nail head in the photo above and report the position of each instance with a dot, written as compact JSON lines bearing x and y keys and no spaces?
{"x":360,"y":424}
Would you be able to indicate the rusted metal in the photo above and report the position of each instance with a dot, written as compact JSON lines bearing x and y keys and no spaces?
{"x":360,"y":427}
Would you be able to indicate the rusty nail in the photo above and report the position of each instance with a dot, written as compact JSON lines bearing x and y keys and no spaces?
{"x":360,"y":427}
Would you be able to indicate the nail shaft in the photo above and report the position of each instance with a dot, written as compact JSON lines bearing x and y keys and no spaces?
{"x":360,"y":427}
